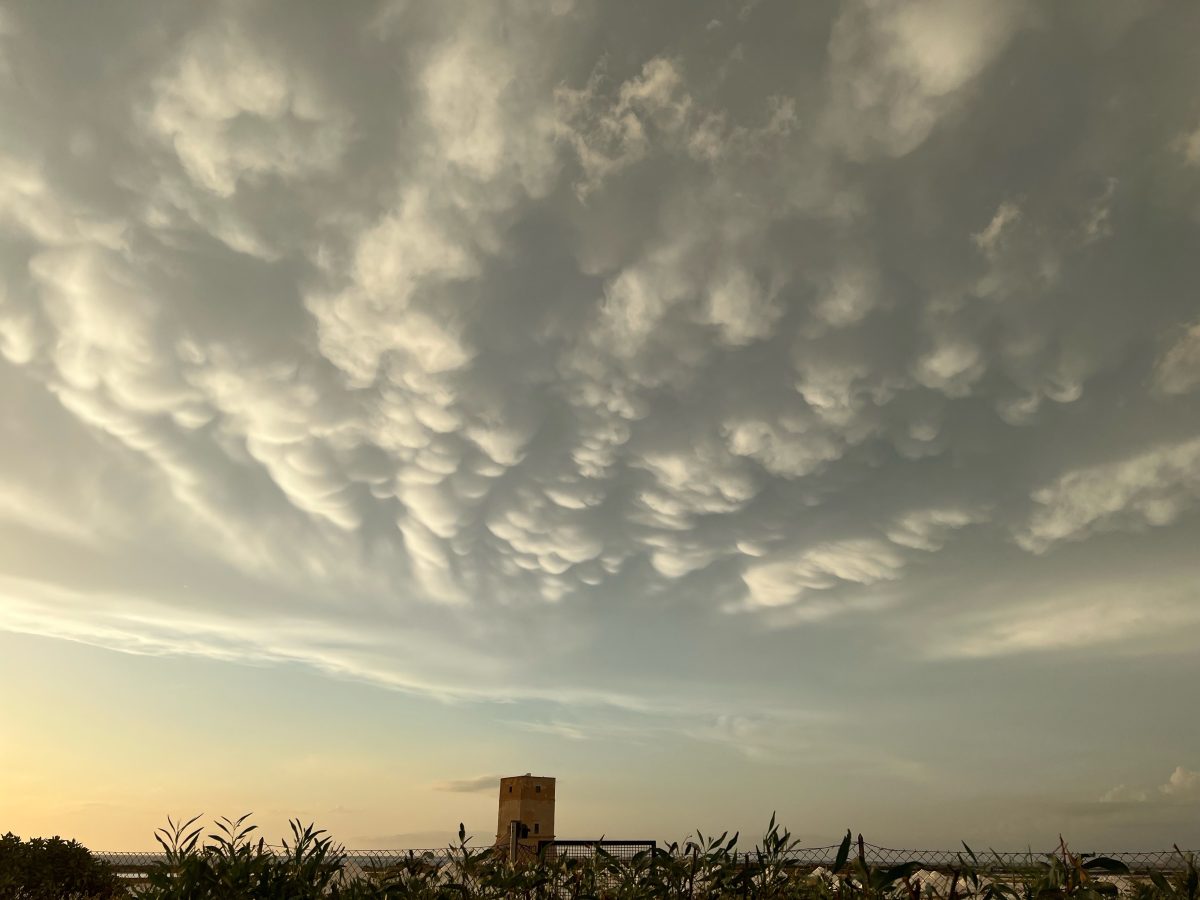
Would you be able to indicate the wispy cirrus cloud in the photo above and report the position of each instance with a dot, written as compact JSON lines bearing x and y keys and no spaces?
{"x":477,"y":784}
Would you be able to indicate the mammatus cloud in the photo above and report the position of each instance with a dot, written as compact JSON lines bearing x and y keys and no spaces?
{"x":896,"y":69}
{"x":496,"y":337}
{"x":229,"y":111}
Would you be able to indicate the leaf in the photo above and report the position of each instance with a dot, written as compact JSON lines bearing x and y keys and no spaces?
{"x":884,"y":877}
{"x":1107,"y":864}
{"x":843,"y":853}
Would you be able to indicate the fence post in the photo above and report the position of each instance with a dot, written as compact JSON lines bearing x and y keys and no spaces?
{"x":514,"y":830}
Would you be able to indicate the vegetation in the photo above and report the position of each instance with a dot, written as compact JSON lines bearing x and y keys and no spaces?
{"x":53,"y":869}
{"x":231,"y":865}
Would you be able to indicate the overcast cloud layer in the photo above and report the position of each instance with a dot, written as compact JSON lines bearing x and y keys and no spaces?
{"x":722,"y":365}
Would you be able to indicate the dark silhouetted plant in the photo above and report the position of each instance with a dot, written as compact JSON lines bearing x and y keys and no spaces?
{"x":231,"y":865}
{"x":53,"y":869}
{"x":1184,"y":886}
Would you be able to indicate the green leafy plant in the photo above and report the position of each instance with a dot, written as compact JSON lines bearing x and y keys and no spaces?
{"x":1186,"y":886}
{"x":231,"y":865}
{"x":53,"y":869}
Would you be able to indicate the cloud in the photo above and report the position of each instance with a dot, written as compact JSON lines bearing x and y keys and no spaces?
{"x":484,"y":338}
{"x":609,"y":137}
{"x":1152,"y":488}
{"x":29,"y":204}
{"x":1098,"y":223}
{"x":987,"y":240}
{"x":1182,"y":786}
{"x":852,"y":292}
{"x":1123,"y":794}
{"x":897,"y":68}
{"x":785,"y":580}
{"x":24,"y":508}
{"x":232,"y":112}
{"x":563,"y":730}
{"x":1120,"y":615}
{"x":1183,"y":783}
{"x":1178,"y":369}
{"x":477,"y":784}
{"x":929,"y":529}
{"x":1189,"y":146}
{"x":951,"y":365}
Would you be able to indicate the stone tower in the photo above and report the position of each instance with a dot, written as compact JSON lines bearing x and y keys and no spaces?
{"x":529,"y":800}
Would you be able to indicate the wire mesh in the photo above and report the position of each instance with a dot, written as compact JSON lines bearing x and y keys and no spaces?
{"x":134,"y":866}
{"x":1141,"y":861}
{"x":587,"y":849}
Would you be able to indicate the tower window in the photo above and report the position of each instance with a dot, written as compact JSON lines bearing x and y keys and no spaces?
{"x":538,"y":789}
{"x":537,"y":829}
{"x":510,"y":788}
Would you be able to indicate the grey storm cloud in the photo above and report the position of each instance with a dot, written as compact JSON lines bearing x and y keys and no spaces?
{"x":397,"y":338}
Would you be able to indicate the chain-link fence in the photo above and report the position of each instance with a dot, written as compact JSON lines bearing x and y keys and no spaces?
{"x":134,"y":866}
{"x":1139,"y":862}
{"x":379,"y":863}
{"x":588,"y":849}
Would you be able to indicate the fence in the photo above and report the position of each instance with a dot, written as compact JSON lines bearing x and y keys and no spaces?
{"x":587,"y":849}
{"x":1139,"y":862}
{"x":134,"y":867}
{"x":378,"y":863}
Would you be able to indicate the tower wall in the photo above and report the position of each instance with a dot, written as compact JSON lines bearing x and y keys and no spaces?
{"x":528,"y":799}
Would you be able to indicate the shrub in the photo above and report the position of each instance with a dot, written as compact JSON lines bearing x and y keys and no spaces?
{"x":231,"y":866}
{"x":53,"y":869}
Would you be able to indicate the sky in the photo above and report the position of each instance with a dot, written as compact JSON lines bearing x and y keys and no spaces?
{"x":724,"y":406}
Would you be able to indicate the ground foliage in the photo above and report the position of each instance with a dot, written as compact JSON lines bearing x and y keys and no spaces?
{"x":53,"y":869}
{"x":230,"y":864}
